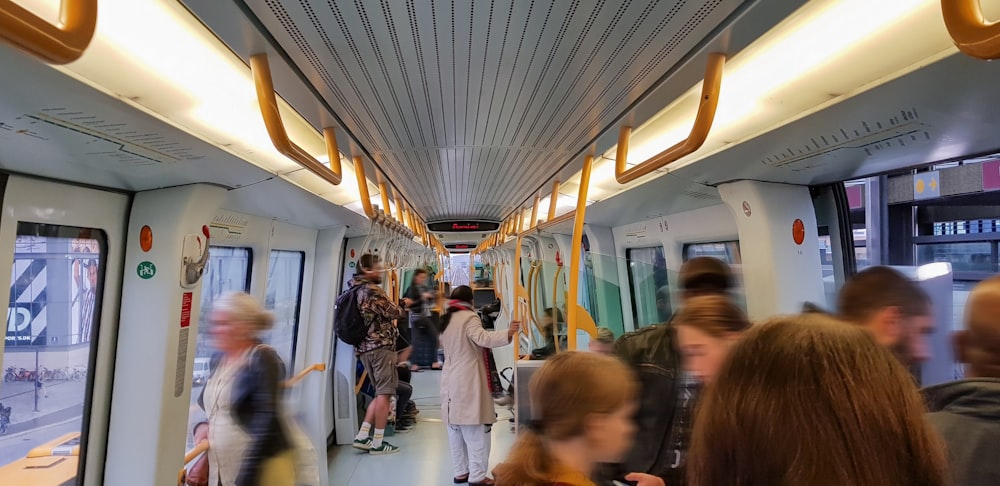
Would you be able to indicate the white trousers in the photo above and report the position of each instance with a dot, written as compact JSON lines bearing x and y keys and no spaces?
{"x":470,"y":450}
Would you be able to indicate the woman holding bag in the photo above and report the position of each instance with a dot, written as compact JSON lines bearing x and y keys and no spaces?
{"x":466,"y":401}
{"x":248,"y":443}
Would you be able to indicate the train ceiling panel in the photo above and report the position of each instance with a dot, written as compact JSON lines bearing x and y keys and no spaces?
{"x":467,"y":105}
{"x":943,"y":111}
{"x":54,"y":126}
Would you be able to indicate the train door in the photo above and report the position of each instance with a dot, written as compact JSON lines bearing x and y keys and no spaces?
{"x":61,"y":255}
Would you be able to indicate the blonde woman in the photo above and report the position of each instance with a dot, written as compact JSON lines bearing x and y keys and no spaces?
{"x":248,"y":444}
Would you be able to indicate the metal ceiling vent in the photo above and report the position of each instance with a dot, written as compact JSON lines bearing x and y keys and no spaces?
{"x":470,"y":105}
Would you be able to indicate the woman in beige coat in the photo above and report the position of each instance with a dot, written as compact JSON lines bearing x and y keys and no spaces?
{"x":466,"y":401}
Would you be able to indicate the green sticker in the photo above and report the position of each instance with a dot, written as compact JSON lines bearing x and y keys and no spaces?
{"x":146,"y":270}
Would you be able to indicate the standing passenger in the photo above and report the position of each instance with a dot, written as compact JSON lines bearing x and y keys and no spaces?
{"x":249,"y":445}
{"x":582,"y":408}
{"x":378,"y":353}
{"x":466,"y":401}
{"x":967,"y":412}
{"x":424,"y":338}
{"x":807,"y":400}
{"x":666,"y":396}
{"x":707,"y":328}
{"x":894,"y":309}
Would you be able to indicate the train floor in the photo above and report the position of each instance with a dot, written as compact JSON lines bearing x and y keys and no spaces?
{"x":424,"y":458}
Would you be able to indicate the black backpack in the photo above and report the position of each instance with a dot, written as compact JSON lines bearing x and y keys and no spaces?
{"x":347,"y":321}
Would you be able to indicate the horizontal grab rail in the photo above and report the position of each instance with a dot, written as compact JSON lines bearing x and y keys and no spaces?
{"x":699,"y":131}
{"x":268,"y":102}
{"x":53,"y":44}
{"x":969,"y":29}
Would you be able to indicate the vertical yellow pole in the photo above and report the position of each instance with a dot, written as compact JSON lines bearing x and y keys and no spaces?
{"x":572,"y":308}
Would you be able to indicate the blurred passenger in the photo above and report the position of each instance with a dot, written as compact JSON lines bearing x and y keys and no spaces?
{"x":378,"y":353}
{"x":563,"y":444}
{"x":707,"y":328}
{"x":666,"y":394}
{"x":552,"y":321}
{"x":466,"y":401}
{"x":424,"y":337}
{"x":242,"y":399}
{"x":893,"y":308}
{"x":967,"y":412}
{"x":604,"y":343}
{"x":806,"y":400}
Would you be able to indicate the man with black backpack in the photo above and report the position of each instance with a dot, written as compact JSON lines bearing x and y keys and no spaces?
{"x":366,"y":306}
{"x":666,"y":393}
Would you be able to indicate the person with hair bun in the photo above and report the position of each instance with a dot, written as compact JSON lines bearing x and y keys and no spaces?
{"x":582,"y":407}
{"x":247,"y":444}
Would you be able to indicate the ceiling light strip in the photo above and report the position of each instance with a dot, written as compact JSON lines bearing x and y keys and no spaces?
{"x":50,"y":43}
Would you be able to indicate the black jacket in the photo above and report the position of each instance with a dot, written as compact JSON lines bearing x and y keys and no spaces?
{"x":256,"y":403}
{"x":967,"y":415}
{"x":664,"y":415}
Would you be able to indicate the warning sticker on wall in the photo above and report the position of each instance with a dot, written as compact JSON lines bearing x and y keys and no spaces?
{"x":186,"y":300}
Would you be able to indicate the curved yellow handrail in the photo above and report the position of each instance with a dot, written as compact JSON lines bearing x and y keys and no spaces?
{"x":969,"y":29}
{"x":302,"y":374}
{"x":202,"y":446}
{"x":384,"y":193}
{"x":52,"y":44}
{"x":552,"y":201}
{"x":366,"y":199}
{"x":576,"y":316}
{"x":699,"y":131}
{"x":268,"y":102}
{"x":534,"y":212}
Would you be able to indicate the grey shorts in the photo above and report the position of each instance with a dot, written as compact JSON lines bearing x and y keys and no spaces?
{"x":381,"y":366}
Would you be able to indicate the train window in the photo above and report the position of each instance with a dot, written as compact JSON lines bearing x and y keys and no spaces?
{"x":727,"y":251}
{"x":52,"y":321}
{"x":284,"y":296}
{"x":228,"y":270}
{"x":647,"y":278}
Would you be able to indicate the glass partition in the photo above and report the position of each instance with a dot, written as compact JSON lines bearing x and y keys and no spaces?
{"x":283,"y":297}
{"x":650,"y":289}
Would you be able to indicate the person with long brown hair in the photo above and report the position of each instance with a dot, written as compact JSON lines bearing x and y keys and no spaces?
{"x":581,"y":415}
{"x":810,"y":400}
{"x":707,"y":328}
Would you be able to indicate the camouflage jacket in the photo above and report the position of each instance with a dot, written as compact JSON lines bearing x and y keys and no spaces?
{"x":378,"y":312}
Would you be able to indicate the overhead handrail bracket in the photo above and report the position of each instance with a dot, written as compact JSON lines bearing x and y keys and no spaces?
{"x":969,"y":29}
{"x":699,"y":131}
{"x":268,"y":102}
{"x":53,"y":44}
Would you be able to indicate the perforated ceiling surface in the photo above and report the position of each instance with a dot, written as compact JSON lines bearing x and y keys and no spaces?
{"x":470,"y":106}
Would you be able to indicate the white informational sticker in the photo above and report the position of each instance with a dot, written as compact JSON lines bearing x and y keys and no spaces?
{"x":182,"y":354}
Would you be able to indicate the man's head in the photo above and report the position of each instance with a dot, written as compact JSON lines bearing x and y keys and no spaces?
{"x":705,"y":276}
{"x":979,"y":345}
{"x":893,"y":308}
{"x":419,"y":276}
{"x":371,"y":268}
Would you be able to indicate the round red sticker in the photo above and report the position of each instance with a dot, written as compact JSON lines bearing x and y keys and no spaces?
{"x":146,"y":238}
{"x":798,"y":231}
